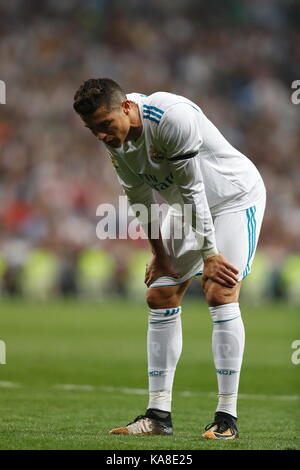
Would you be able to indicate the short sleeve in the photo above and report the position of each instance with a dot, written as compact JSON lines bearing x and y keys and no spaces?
{"x":179,"y":132}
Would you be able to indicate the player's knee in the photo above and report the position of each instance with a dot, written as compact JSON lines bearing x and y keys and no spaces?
{"x":161,"y":298}
{"x":216,"y":294}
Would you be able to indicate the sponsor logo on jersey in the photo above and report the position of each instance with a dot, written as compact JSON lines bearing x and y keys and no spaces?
{"x":154,"y":183}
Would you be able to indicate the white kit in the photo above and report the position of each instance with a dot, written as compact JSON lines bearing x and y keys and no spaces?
{"x":182,"y":156}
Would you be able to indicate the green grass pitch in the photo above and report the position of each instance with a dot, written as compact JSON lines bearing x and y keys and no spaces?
{"x":76,"y":369}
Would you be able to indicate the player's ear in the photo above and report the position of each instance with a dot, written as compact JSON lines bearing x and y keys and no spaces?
{"x":126,"y":106}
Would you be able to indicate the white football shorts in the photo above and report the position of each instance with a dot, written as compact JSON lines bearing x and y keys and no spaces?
{"x":236,"y":237}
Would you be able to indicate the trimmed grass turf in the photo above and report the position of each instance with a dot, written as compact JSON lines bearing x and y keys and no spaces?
{"x":72,"y":342}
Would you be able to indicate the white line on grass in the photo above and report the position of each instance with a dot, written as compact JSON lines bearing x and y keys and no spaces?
{"x":4,"y":384}
{"x":143,"y":391}
{"x":128,"y":391}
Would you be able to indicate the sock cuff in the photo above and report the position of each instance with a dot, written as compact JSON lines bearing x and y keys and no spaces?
{"x":226,"y":312}
{"x":166,"y":312}
{"x":224,"y":306}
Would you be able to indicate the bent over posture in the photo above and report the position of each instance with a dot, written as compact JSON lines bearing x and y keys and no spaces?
{"x":164,"y":143}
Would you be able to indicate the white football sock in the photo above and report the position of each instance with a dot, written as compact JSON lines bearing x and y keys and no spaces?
{"x":228,"y":340}
{"x":164,"y":349}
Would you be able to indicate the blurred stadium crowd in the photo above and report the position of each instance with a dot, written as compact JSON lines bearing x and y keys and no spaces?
{"x":236,"y":59}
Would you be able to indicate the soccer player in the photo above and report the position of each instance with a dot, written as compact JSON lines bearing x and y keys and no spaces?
{"x":164,"y":143}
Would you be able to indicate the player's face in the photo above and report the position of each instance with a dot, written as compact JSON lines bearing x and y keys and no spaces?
{"x":111,"y":127}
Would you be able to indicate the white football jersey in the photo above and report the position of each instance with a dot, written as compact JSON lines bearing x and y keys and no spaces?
{"x":182,"y":155}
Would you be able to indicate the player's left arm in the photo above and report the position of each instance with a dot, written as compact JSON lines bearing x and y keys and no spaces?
{"x":180,"y":134}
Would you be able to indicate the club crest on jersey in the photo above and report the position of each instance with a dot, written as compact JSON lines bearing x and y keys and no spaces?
{"x":154,"y":154}
{"x":113,"y":159}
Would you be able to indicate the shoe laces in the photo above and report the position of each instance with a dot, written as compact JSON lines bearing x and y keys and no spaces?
{"x":222,"y":425}
{"x":137,"y":419}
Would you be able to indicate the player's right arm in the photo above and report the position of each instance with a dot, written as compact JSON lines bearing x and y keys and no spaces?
{"x":160,"y":264}
{"x":139,"y":193}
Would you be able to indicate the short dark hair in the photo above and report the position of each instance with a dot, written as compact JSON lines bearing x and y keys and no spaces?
{"x":97,"y":92}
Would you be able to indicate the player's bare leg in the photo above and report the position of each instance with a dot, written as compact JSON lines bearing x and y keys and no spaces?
{"x":164,"y":349}
{"x":228,"y":347}
{"x":167,"y":296}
